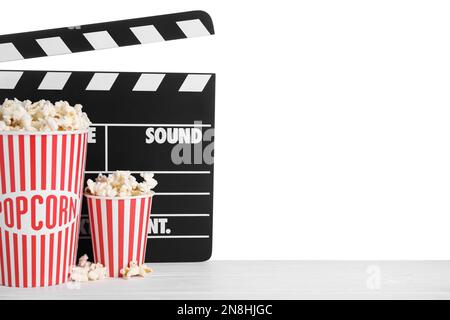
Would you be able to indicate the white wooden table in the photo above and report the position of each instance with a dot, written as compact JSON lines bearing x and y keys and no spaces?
{"x":265,"y":280}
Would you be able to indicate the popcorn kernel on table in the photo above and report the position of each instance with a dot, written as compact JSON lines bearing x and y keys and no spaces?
{"x":134,"y":269}
{"x":86,"y":271}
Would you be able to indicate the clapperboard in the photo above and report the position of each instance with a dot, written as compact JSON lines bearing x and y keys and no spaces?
{"x":160,"y":122}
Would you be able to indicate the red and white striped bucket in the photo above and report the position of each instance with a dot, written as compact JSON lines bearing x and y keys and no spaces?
{"x":41,"y":182}
{"x":119,"y":228}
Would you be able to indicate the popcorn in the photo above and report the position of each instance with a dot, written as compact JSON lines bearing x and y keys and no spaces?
{"x":87,"y":271}
{"x":83,"y":261}
{"x":121,"y":184}
{"x":16,"y":115}
{"x":134,"y":269}
{"x":96,"y":272}
{"x":79,"y":274}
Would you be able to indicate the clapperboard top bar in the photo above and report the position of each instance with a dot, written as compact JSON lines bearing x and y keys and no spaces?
{"x":102,"y":81}
{"x":105,"y":35}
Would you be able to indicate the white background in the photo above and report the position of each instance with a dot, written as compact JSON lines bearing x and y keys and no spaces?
{"x":332,"y":138}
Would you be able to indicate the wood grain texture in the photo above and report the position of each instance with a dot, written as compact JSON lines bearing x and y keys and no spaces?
{"x":265,"y":280}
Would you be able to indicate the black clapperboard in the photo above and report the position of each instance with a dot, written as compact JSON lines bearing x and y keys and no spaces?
{"x":160,"y":122}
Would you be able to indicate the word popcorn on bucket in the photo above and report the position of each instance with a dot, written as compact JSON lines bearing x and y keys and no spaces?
{"x":42,"y":160}
{"x":38,"y":211}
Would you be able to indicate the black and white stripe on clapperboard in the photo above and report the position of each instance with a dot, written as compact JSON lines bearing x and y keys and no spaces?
{"x":161,"y":122}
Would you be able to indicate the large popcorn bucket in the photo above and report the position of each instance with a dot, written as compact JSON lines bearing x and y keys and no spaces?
{"x":41,"y":181}
{"x":119,"y":228}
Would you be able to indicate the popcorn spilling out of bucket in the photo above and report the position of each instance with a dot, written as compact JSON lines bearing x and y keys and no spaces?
{"x":119,"y":213}
{"x":16,"y":115}
{"x":121,"y":184}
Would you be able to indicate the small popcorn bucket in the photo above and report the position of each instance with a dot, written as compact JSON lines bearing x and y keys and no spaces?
{"x":41,"y":181}
{"x":119,"y":228}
